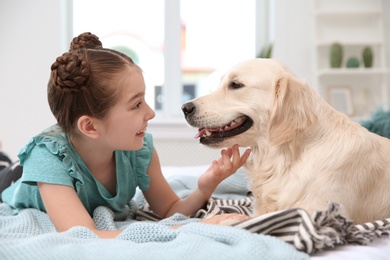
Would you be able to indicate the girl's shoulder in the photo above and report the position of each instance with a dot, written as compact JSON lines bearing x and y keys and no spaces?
{"x":52,"y":139}
{"x":49,"y":157}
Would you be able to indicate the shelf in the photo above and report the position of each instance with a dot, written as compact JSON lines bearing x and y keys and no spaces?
{"x":352,"y":71}
{"x":355,"y":24}
{"x":326,"y":44}
{"x":347,"y":6}
{"x":359,"y":13}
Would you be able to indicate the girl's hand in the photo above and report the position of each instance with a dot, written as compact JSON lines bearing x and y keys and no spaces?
{"x":222,"y":168}
{"x":225,"y":219}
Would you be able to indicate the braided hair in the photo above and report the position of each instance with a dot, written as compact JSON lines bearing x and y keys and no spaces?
{"x":80,"y":80}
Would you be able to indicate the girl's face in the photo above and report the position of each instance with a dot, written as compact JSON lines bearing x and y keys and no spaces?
{"x":125,"y":124}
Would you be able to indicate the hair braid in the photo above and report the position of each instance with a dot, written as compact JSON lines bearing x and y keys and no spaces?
{"x":86,"y":40}
{"x":70,"y":72}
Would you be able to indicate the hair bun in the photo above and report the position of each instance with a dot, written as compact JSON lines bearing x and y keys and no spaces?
{"x":70,"y":72}
{"x":86,"y":40}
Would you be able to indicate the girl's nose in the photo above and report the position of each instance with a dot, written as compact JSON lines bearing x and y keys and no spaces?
{"x":150,"y":114}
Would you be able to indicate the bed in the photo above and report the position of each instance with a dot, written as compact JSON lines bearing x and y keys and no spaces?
{"x":291,"y":234}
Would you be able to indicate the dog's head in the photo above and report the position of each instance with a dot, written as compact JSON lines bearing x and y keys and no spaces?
{"x":257,"y":100}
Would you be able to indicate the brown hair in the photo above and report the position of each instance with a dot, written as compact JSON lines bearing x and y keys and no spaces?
{"x":80,"y":81}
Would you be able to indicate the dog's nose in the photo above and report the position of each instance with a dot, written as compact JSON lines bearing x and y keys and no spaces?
{"x":188,"y":108}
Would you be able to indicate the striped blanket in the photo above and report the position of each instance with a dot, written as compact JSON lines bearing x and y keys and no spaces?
{"x":307,"y":233}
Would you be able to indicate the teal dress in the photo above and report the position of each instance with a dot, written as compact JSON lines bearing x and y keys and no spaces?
{"x":51,"y":158}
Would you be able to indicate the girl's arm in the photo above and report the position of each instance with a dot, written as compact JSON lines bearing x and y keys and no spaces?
{"x":164,"y":201}
{"x":66,"y":210}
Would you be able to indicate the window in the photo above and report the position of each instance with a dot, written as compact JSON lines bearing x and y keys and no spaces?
{"x":183,"y":47}
{"x":215,"y":35}
{"x":129,"y":26}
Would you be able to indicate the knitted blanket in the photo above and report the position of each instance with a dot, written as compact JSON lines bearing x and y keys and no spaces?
{"x":31,"y":235}
{"x":290,"y":234}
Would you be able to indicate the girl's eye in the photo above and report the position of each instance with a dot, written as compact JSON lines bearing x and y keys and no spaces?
{"x":137,"y":105}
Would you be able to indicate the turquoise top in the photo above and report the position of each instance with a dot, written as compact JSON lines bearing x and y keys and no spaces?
{"x":51,"y":158}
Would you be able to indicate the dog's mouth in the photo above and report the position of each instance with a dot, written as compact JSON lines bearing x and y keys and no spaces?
{"x":218,"y":134}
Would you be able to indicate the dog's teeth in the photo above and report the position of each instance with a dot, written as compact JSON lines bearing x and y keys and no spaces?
{"x":207,"y":133}
{"x":237,"y":120}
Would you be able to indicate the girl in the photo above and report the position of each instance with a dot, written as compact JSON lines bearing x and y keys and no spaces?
{"x":99,"y":151}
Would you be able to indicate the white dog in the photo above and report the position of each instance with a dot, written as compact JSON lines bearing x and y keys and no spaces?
{"x":305,"y":154}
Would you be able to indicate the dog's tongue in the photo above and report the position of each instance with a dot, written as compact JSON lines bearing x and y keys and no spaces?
{"x":203,"y":131}
{"x":200,"y":133}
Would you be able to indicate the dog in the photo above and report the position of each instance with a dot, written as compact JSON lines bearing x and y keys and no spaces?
{"x":305,"y":154}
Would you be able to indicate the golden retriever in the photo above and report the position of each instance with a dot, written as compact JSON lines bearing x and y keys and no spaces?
{"x":305,"y":154}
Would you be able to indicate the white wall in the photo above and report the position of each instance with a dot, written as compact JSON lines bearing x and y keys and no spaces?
{"x":292,"y":36}
{"x":386,"y":8}
{"x":31,"y":37}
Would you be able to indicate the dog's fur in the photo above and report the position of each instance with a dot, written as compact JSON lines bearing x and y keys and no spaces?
{"x":304,"y":153}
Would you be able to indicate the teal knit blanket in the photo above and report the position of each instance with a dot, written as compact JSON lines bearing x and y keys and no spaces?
{"x":31,"y":235}
{"x":379,"y":123}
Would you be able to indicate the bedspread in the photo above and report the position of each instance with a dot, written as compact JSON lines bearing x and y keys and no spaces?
{"x":290,"y":234}
{"x":31,"y":235}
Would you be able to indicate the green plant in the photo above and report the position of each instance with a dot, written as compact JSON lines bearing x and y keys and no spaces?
{"x":367,"y":57}
{"x":336,"y":55}
{"x":266,"y":52}
{"x":353,"y":62}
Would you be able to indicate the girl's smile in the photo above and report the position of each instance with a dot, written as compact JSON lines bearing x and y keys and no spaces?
{"x":141,"y":133}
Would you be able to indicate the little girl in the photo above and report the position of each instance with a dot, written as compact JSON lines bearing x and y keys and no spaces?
{"x":99,"y":150}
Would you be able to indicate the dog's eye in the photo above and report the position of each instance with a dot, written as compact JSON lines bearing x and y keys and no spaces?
{"x":235,"y":85}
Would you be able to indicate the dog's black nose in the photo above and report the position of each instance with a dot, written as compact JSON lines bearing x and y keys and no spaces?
{"x":188,"y":108}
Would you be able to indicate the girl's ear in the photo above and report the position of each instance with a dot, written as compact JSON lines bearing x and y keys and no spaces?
{"x":87,"y":126}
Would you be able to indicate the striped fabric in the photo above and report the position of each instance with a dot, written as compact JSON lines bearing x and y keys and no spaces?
{"x":309,"y":234}
{"x":5,"y":161}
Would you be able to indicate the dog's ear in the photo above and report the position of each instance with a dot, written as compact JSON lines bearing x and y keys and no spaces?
{"x":293,"y":109}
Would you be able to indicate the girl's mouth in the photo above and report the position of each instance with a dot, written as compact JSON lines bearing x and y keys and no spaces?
{"x":141,"y":132}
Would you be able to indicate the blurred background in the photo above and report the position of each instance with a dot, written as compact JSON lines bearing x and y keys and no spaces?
{"x":185,"y":46}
